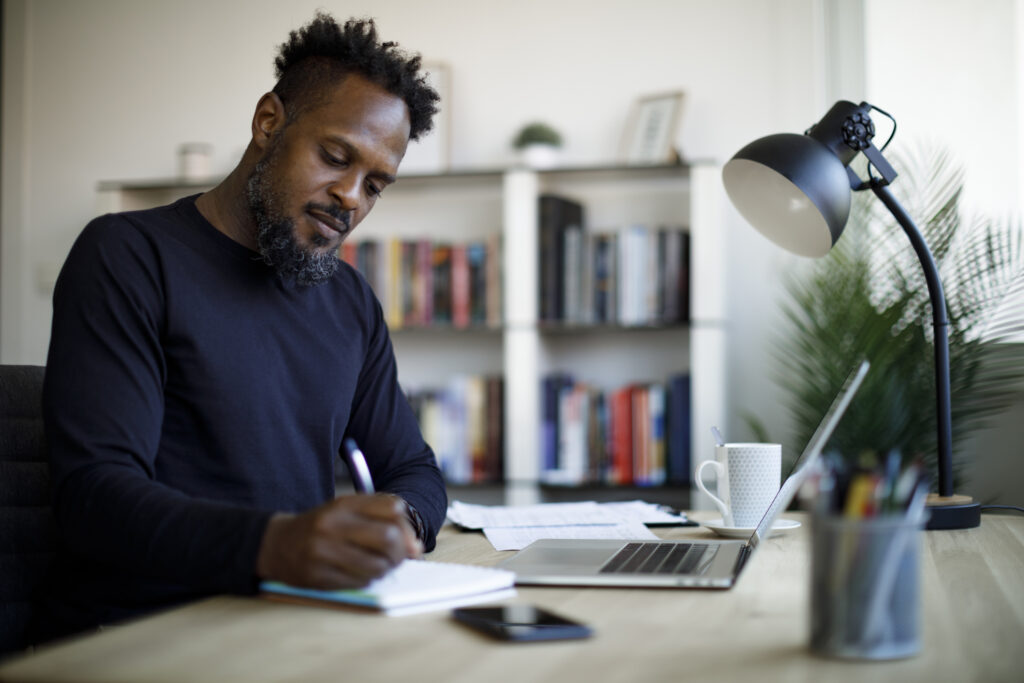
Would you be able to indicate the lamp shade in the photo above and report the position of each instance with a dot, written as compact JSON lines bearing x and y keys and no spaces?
{"x":793,"y":189}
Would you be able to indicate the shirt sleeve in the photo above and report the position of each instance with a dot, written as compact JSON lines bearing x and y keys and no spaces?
{"x":103,"y":410}
{"x":383,"y":424}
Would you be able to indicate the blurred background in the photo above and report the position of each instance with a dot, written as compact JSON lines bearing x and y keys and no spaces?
{"x":101,"y":90}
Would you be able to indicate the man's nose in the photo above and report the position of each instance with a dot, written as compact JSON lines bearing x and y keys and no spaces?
{"x":345,"y":190}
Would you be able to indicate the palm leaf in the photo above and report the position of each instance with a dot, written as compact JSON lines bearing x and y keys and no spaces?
{"x":868,"y":298}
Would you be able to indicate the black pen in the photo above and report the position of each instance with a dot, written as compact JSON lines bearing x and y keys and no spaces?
{"x":357,"y":466}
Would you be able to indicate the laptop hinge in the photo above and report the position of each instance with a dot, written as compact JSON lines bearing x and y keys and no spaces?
{"x":741,"y":560}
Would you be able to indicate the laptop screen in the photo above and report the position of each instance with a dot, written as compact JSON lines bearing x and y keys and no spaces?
{"x":803,"y":464}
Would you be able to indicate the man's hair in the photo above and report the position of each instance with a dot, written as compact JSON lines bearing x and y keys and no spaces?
{"x":322,"y":53}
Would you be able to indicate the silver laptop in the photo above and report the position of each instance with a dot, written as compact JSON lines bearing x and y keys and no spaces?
{"x":686,"y":564}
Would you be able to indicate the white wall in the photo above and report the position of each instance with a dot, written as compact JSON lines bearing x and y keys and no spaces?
{"x":111,"y":88}
{"x":107,"y":89}
{"x":952,"y":73}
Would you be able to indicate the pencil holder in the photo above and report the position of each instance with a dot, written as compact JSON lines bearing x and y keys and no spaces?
{"x":865,"y":587}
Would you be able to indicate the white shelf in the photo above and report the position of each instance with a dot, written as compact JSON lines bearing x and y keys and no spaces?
{"x":469,"y":205}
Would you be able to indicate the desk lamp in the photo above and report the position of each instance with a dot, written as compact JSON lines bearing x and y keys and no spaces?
{"x":795,"y":189}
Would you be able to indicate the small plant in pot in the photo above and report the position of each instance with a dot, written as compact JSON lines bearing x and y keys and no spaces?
{"x":538,"y":145}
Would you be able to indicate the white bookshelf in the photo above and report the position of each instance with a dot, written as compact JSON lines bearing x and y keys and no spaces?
{"x":465,"y":206}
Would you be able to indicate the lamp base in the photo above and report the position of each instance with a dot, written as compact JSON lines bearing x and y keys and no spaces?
{"x":952,"y":512}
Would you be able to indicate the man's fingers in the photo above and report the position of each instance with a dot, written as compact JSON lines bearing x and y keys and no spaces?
{"x":342,"y":544}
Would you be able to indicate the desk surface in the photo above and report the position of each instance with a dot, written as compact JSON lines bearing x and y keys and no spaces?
{"x":973,"y":629}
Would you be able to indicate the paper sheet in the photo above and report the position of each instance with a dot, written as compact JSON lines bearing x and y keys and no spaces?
{"x":517,"y":538}
{"x":558,"y":514}
{"x":547,"y":514}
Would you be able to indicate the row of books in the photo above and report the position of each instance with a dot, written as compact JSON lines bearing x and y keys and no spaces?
{"x":422,"y":283}
{"x":637,"y":275}
{"x":638,"y":434}
{"x":464,"y":424}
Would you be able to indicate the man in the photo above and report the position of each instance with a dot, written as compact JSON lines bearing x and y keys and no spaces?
{"x":207,"y":359}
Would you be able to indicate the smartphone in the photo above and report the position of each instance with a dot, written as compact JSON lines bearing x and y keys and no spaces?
{"x":520,"y":622}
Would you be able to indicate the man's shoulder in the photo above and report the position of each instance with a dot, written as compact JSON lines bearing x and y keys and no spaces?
{"x":154,"y":218}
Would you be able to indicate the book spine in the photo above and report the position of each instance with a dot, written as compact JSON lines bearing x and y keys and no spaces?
{"x":549,"y":223}
{"x":460,"y":286}
{"x":641,"y":435}
{"x":478,"y":288}
{"x":424,"y":282}
{"x":348,"y":253}
{"x":410,"y":313}
{"x":678,"y":430}
{"x":656,"y":447}
{"x":441,"y":284}
{"x":572,"y":248}
{"x":622,"y":437}
{"x":393,"y":310}
{"x":476,"y":427}
{"x":495,"y":459}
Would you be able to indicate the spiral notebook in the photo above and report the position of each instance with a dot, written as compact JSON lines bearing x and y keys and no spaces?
{"x":412,"y":587}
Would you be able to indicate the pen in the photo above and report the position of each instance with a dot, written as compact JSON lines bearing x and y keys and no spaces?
{"x":357,"y":466}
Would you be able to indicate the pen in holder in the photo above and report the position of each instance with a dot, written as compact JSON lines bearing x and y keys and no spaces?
{"x":865,"y":583}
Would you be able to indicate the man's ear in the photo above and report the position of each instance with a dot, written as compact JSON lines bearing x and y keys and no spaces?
{"x":267,"y":120}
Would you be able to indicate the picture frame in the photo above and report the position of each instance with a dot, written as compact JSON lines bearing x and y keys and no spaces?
{"x":651,"y":130}
{"x":431,"y":153}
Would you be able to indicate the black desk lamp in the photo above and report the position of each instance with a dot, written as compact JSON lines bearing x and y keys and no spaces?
{"x":795,"y":189}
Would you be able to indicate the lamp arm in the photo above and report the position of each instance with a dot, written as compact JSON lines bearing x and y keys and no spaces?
{"x":940,"y":323}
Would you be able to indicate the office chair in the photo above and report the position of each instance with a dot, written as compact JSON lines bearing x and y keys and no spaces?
{"x":27,"y":528}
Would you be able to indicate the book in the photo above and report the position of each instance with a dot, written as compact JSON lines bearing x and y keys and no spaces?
{"x":441,"y":280}
{"x":460,"y":286}
{"x":494,"y":468}
{"x":412,"y":587}
{"x":551,"y":387}
{"x":478,"y":285}
{"x":677,"y":428}
{"x":621,"y":424}
{"x":556,"y":216}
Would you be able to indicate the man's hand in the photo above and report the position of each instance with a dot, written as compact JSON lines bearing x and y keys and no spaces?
{"x":342,"y":544}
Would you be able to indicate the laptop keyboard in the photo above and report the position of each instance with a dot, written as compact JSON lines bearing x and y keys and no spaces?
{"x":655,"y":558}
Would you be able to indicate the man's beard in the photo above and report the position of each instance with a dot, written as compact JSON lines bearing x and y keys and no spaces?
{"x":275,"y":234}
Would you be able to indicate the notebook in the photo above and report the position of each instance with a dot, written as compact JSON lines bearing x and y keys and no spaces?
{"x":671,"y":564}
{"x":413,"y":586}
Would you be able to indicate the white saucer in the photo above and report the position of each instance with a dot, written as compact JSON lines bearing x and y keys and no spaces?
{"x":780,"y":526}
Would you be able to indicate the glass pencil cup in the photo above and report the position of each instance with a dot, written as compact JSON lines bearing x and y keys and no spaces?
{"x":865,"y":587}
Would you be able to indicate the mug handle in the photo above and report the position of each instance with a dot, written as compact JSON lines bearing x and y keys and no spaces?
{"x":719,"y":503}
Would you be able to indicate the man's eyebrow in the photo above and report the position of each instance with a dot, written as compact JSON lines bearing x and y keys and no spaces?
{"x":353,"y":151}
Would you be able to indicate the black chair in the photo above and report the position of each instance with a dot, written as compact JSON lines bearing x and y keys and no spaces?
{"x":27,"y":530}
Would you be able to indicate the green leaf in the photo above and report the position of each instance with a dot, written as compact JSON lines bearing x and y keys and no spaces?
{"x":868,"y":298}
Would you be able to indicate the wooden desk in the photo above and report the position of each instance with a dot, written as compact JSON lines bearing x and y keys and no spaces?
{"x":973,"y":621}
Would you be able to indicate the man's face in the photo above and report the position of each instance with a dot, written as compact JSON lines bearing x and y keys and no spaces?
{"x":322,"y":173}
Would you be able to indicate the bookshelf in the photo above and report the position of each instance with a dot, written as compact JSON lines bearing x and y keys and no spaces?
{"x":475,"y":205}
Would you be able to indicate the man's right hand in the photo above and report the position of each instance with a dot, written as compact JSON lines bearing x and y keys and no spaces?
{"x":342,"y":544}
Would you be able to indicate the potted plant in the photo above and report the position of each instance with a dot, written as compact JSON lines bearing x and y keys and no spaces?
{"x":538,"y":145}
{"x":868,"y":298}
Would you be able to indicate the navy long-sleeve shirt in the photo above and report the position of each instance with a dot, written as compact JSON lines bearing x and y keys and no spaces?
{"x":189,"y":394}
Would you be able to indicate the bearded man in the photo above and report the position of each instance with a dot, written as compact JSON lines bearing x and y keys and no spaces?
{"x":209,"y":357}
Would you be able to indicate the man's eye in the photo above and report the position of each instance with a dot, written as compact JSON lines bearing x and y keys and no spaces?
{"x":331,"y":159}
{"x":374,"y":190}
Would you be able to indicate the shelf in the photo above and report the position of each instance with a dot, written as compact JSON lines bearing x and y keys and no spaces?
{"x":678,"y":497}
{"x":461,"y":205}
{"x":457,"y":175}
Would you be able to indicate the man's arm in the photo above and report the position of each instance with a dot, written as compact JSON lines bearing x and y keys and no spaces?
{"x":104,"y":407}
{"x":383,"y":424}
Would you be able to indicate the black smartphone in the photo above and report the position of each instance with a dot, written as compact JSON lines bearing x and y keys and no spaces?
{"x":520,"y":622}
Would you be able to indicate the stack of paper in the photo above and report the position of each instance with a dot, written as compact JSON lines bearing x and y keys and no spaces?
{"x":412,"y":587}
{"x":515,"y":527}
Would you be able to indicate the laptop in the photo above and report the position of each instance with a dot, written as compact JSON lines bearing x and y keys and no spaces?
{"x":691,"y":563}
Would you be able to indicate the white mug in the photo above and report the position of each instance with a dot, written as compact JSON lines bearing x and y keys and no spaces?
{"x":748,"y":480}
